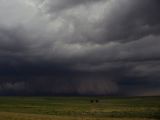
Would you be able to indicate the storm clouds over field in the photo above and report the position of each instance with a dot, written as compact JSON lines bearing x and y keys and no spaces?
{"x":80,"y":47}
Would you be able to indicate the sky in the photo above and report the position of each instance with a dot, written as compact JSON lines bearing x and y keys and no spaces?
{"x":80,"y":47}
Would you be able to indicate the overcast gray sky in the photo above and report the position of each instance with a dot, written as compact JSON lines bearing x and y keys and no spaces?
{"x":80,"y":47}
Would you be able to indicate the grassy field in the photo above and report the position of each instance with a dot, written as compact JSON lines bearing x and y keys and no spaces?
{"x":79,"y":108}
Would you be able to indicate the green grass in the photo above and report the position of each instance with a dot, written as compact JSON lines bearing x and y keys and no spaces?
{"x":68,"y":108}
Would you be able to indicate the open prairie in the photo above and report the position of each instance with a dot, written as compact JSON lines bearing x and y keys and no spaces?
{"x":79,"y":108}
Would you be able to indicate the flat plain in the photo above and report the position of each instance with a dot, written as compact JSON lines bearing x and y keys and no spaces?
{"x":79,"y":108}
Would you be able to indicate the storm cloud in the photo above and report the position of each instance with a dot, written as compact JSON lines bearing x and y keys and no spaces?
{"x":72,"y":47}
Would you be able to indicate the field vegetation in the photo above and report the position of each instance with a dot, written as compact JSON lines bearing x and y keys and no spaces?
{"x":79,"y":108}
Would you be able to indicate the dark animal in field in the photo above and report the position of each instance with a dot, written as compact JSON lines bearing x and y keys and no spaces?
{"x":92,"y":101}
{"x":97,"y":101}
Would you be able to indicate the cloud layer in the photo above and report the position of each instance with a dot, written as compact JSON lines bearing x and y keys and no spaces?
{"x":87,"y":47}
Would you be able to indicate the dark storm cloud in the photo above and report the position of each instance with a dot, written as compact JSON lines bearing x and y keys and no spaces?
{"x":59,"y":5}
{"x":132,"y":20}
{"x":87,"y":47}
{"x":123,"y":21}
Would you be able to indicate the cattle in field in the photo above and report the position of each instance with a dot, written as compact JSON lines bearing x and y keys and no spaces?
{"x":94,"y":101}
{"x":91,"y":101}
